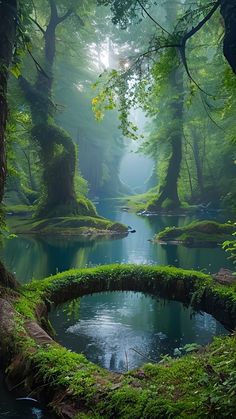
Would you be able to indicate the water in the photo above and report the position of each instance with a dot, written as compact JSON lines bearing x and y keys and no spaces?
{"x":122,"y":330}
{"x":40,"y":257}
{"x":10,"y":408}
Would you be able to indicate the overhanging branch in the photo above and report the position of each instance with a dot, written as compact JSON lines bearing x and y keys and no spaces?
{"x":38,"y":25}
{"x":200,"y":24}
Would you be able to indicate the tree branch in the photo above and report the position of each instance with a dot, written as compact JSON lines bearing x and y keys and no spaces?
{"x":209,"y":115}
{"x":200,"y":24}
{"x":53,"y":8}
{"x":38,"y":66}
{"x":38,"y":25}
{"x":188,"y":35}
{"x":150,"y":17}
{"x":65,"y":16}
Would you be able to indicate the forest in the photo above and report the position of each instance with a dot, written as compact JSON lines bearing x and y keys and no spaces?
{"x":117,"y":209}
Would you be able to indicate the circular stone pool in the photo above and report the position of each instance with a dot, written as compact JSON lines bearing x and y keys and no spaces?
{"x":123,"y":330}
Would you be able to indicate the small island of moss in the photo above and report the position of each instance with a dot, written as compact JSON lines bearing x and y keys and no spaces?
{"x":24,"y":220}
{"x":197,"y":234}
{"x":70,"y":226}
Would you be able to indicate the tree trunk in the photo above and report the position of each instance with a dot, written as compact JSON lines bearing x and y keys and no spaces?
{"x":8,"y":19}
{"x":6,"y":279}
{"x":57,"y":150}
{"x":198,"y":165}
{"x":228,"y":11}
{"x":168,"y":193}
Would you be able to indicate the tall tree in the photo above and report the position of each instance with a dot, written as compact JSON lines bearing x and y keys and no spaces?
{"x":57,"y":150}
{"x":8,"y":27}
{"x":193,"y":19}
{"x":168,"y":197}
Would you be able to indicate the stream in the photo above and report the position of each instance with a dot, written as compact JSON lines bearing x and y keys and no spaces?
{"x":97,"y":324}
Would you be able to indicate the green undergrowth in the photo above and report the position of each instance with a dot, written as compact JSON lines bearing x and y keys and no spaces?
{"x":138,"y":203}
{"x":193,"y":386}
{"x":81,"y":206}
{"x":78,"y":225}
{"x":197,"y":385}
{"x":19,"y":209}
{"x":198,"y":233}
{"x":147,"y":202}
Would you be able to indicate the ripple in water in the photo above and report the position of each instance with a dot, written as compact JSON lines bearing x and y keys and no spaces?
{"x":123,"y":330}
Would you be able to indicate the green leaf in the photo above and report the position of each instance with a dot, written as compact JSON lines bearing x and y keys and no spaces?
{"x":15,"y":70}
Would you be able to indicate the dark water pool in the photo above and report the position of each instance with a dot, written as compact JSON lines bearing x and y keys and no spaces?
{"x":122,"y":330}
{"x":11,"y":408}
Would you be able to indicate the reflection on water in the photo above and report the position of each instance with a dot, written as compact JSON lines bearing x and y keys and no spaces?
{"x":40,"y":257}
{"x":120,"y":330}
{"x":108,"y":323}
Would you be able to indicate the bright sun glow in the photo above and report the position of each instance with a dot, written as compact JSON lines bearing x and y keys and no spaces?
{"x":105,"y":58}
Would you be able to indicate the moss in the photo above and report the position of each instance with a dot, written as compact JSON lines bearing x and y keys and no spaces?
{"x":79,"y":207}
{"x":30,"y":194}
{"x":138,"y":203}
{"x":170,"y":282}
{"x":167,"y":205}
{"x":148,"y":202}
{"x":19,"y":209}
{"x":197,"y":385}
{"x":198,"y":233}
{"x":80,"y":225}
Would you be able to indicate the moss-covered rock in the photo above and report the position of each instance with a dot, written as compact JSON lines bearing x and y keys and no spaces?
{"x":198,"y":233}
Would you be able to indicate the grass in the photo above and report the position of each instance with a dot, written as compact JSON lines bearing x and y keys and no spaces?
{"x":19,"y":209}
{"x":138,"y":203}
{"x":147,"y":202}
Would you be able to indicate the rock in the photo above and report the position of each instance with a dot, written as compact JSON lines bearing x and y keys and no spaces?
{"x":37,"y":333}
{"x":225,"y":276}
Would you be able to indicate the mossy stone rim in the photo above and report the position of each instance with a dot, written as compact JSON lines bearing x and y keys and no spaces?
{"x":84,"y":384}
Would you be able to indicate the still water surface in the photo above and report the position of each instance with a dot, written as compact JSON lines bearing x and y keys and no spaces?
{"x":40,"y":257}
{"x":122,"y":330}
{"x":111,"y":316}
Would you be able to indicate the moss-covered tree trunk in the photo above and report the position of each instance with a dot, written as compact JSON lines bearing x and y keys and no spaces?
{"x":57,"y":150}
{"x":168,"y":197}
{"x":8,"y":19}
